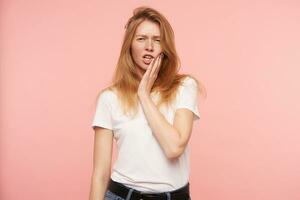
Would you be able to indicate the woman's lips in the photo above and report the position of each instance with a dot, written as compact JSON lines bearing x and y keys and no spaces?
{"x":147,"y":61}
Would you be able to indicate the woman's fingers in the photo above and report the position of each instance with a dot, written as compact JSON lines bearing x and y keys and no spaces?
{"x":158,"y":64}
{"x":155,"y":66}
{"x":150,"y":75}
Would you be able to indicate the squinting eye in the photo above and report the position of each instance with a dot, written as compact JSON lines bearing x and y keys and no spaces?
{"x":140,"y":38}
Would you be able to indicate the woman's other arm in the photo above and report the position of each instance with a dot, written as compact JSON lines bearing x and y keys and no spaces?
{"x":103,"y":143}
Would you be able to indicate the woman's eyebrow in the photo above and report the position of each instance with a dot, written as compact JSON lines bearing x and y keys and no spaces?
{"x":155,"y":36}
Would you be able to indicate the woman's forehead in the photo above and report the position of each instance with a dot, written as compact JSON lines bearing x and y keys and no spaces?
{"x":147,"y":28}
{"x":146,"y":35}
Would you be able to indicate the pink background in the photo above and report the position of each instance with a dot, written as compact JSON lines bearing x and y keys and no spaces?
{"x":56,"y":55}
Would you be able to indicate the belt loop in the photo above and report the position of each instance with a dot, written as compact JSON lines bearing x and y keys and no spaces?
{"x":129,"y":194}
{"x":168,"y":196}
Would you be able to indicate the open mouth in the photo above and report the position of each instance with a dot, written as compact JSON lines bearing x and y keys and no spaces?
{"x":147,"y":59}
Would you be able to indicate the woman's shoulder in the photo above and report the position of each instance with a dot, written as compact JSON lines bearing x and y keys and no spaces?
{"x":107,"y":93}
{"x":192,"y":82}
{"x":189,"y":80}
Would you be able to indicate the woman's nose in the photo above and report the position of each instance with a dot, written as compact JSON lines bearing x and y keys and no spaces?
{"x":149,"y":45}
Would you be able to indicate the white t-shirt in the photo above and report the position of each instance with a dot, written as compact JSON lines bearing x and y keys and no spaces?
{"x":141,"y":163}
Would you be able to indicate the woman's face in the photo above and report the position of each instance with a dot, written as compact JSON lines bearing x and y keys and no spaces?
{"x":145,"y":45}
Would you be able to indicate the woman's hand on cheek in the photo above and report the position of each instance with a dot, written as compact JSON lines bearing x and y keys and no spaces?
{"x":150,"y":76}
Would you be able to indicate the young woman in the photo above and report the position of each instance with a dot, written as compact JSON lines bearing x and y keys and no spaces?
{"x":149,"y":110}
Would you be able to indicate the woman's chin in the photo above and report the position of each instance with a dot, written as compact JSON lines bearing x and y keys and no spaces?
{"x":143,"y":66}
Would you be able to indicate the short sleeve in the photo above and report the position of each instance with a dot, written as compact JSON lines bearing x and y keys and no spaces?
{"x":188,"y":97}
{"x":102,"y":116}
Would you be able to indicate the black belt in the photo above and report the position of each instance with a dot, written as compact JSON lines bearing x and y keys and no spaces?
{"x":121,"y":190}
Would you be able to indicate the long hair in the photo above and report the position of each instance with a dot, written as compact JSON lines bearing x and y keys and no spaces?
{"x":125,"y":81}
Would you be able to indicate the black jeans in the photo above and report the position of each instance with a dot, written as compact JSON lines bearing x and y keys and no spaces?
{"x":118,"y":191}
